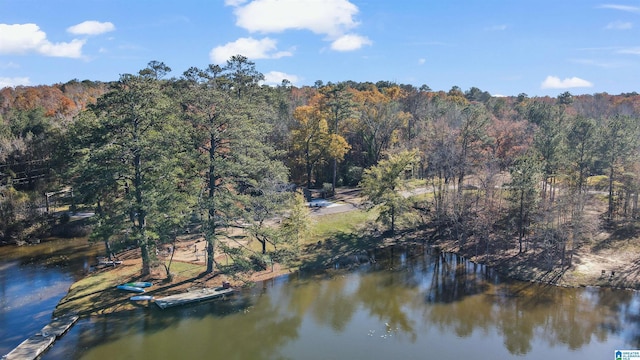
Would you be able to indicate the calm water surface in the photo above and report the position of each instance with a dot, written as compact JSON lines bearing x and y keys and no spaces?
{"x":32,"y":281}
{"x":416,"y":305}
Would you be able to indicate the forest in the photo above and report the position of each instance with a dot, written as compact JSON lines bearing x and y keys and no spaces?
{"x":156,"y":155}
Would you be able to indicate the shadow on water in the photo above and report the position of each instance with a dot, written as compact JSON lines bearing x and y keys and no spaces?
{"x":212,"y":325}
{"x":72,"y":255}
{"x":149,"y":318}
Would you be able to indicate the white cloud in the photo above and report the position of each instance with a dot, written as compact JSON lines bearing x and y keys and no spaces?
{"x":627,"y":8}
{"x":91,"y":28}
{"x":422,"y":61}
{"x":632,"y":51}
{"x":72,"y":49}
{"x":25,"y":38}
{"x":553,"y":82}
{"x":249,"y":47}
{"x":619,"y":25}
{"x":350,"y":42}
{"x":332,"y":18}
{"x":276,"y":77}
{"x":18,"y":39}
{"x":12,"y":82}
{"x":329,"y":17}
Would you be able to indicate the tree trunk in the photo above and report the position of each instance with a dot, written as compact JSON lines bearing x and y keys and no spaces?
{"x":146,"y":261}
{"x":612,"y":161}
{"x":107,"y":248}
{"x":140,"y":214}
{"x":610,"y":208}
{"x":173,"y":251}
{"x":521,"y":220}
{"x":309,"y":168}
{"x":393,"y":219}
{"x":211,"y":231}
{"x":335,"y":176}
{"x":210,"y":252}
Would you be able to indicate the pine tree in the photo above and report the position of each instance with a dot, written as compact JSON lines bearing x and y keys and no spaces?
{"x":225,"y":107}
{"x":129,"y":164}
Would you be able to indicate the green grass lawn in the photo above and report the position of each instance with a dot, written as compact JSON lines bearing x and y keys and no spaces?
{"x":350,"y":222}
{"x":95,"y":290}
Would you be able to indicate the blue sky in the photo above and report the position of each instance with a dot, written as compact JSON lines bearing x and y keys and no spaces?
{"x":505,"y":47}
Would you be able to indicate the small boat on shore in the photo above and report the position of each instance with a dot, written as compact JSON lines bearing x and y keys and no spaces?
{"x":109,"y":262}
{"x":194,"y":296}
{"x":130,"y":288}
{"x":140,"y":284}
{"x":141,"y":298}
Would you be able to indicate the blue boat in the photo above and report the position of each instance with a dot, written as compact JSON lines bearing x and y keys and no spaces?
{"x":141,"y":298}
{"x":130,"y":288}
{"x":140,"y":284}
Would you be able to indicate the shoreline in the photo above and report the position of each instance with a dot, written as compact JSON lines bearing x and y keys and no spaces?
{"x":587,"y":269}
{"x":119,"y":301}
{"x":602,"y":261}
{"x":102,"y":299}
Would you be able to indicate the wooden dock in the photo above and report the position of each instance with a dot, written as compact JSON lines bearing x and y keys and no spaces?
{"x":192,"y":296}
{"x":36,"y":345}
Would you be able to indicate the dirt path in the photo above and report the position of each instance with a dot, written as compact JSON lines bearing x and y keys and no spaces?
{"x":618,"y":266}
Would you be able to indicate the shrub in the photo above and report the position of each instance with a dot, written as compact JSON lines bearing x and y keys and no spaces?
{"x":64,"y":218}
{"x":327,"y":190}
{"x":353,"y":176}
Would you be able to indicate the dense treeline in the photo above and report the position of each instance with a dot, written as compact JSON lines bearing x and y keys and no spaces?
{"x":212,"y":148}
{"x":33,"y":132}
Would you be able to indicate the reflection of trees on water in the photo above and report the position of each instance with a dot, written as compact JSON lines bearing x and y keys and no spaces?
{"x":454,"y":278}
{"x":562,"y":317}
{"x":333,"y":304}
{"x":626,"y":304}
{"x":414,"y":296}
{"x":465,"y":297}
{"x":519,"y":311}
{"x":386,"y":299}
{"x":263,"y":331}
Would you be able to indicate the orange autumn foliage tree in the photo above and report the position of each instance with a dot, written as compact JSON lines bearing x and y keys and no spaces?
{"x":312,"y":143}
{"x":381,"y":120}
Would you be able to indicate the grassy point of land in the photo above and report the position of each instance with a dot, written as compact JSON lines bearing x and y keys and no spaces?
{"x":335,"y":234}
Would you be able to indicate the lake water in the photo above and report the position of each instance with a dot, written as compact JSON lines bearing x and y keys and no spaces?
{"x":410,"y":304}
{"x":33,"y":279}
